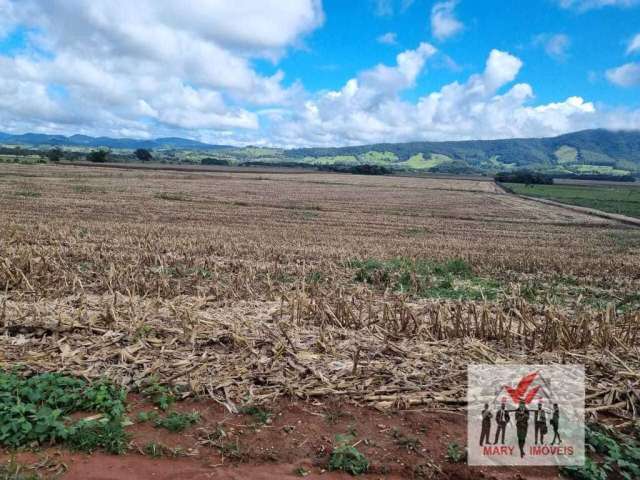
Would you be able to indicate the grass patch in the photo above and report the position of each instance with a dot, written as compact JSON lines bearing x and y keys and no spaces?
{"x":452,"y":279}
{"x":345,"y":457}
{"x":176,"y":421}
{"x":34,"y":411}
{"x":620,"y":199}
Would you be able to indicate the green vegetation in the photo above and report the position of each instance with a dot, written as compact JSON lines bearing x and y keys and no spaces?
{"x":35,"y":410}
{"x":160,"y":395}
{"x":591,"y":153}
{"x":301,"y":472}
{"x":566,"y":154}
{"x":98,"y":156}
{"x":55,"y":155}
{"x":618,"y":456}
{"x":260,"y":416}
{"x":455,"y":453}
{"x":621,"y":199}
{"x":524,"y":176}
{"x":176,"y":421}
{"x":346,"y":457}
{"x":451,"y":279}
{"x":143,"y":154}
{"x":417,"y":162}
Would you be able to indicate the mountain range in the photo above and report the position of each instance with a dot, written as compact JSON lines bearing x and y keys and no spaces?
{"x":583,"y":153}
{"x":41,"y":139}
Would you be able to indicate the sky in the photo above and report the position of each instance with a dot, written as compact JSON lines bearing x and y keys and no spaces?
{"x":296,"y":73}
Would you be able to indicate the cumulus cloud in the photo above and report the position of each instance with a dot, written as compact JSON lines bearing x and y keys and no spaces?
{"x":555,"y":45}
{"x":153,"y":61}
{"x":584,"y":5}
{"x":389,"y":38}
{"x":634,"y":45}
{"x":627,"y":75}
{"x":444,"y":23}
{"x":367,"y":109}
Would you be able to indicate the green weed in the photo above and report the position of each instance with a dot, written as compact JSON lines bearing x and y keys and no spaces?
{"x":89,"y":436}
{"x":176,"y":421}
{"x":34,"y":410}
{"x":347,"y":458}
{"x":260,"y":416}
{"x":147,"y":416}
{"x":424,"y":278}
{"x":160,"y":395}
{"x":455,"y":453}
{"x":620,"y":456}
{"x":301,"y":472}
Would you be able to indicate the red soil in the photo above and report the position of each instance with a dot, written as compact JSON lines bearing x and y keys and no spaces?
{"x":405,"y":444}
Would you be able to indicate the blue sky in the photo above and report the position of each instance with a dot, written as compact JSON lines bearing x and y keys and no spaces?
{"x":598,"y":38}
{"x":311,"y":72}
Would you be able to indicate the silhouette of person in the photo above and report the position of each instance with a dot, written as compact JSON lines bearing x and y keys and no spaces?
{"x":486,"y":425}
{"x":555,"y":420}
{"x":522,"y":424}
{"x":502,"y":418}
{"x":540,"y":424}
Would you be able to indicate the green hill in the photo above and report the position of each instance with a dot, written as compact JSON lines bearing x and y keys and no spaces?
{"x":585,"y":152}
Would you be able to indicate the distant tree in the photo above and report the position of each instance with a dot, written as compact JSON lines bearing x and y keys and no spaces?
{"x":55,"y":154}
{"x":98,"y":156}
{"x":524,"y":176}
{"x":143,"y":155}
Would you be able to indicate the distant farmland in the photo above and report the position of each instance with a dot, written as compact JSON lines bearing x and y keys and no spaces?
{"x":623,"y":199}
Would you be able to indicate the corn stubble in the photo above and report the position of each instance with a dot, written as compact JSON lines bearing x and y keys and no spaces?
{"x":243,"y":289}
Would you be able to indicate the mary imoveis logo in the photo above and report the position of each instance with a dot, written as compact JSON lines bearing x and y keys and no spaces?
{"x":526,"y":414}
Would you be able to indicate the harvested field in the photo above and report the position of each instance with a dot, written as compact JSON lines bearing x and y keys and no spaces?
{"x":252,"y":288}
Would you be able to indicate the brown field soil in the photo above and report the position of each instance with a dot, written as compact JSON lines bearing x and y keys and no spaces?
{"x":270,"y":289}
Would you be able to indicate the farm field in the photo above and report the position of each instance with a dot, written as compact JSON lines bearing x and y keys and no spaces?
{"x":325,"y":299}
{"x":623,"y":199}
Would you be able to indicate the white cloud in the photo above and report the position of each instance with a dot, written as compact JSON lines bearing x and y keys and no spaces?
{"x":634,"y":44}
{"x":389,"y":38}
{"x":388,"y":8}
{"x":368,"y":109}
{"x":627,"y":75}
{"x":383,"y":8}
{"x":150,"y":65}
{"x":555,"y":45}
{"x":584,"y":5}
{"x":444,"y":23}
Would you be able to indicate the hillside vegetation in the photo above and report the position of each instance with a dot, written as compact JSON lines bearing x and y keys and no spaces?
{"x":585,"y":153}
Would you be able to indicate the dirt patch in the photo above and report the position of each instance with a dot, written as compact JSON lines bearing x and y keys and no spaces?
{"x":287,"y":439}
